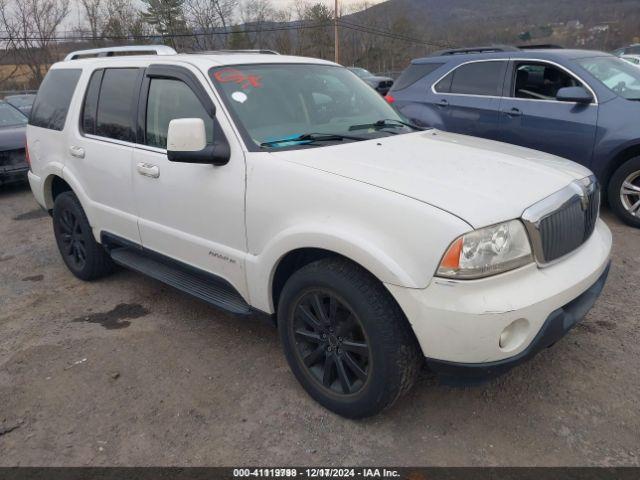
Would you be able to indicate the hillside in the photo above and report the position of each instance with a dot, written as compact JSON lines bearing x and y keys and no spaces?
{"x":585,"y":23}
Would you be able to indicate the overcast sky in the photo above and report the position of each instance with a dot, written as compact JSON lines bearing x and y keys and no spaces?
{"x":284,"y":3}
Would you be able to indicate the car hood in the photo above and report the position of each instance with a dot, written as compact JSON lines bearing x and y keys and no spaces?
{"x":12,"y":138}
{"x":481,"y":181}
{"x":377,"y":79}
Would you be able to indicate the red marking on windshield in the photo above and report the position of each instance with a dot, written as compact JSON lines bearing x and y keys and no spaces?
{"x":228,"y":75}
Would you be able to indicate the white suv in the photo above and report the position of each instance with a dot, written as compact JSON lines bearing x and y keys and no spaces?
{"x":286,"y":185}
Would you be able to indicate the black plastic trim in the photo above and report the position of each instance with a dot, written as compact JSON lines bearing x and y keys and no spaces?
{"x":174,"y":72}
{"x":113,"y":243}
{"x":220,"y":153}
{"x":557,"y":324}
{"x":93,"y":100}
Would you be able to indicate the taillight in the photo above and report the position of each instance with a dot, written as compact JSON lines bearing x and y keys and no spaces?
{"x":26,"y":155}
{"x":389,"y":98}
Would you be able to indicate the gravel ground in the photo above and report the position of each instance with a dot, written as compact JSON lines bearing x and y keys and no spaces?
{"x":127,"y":371}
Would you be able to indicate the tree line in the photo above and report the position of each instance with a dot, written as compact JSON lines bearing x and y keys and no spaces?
{"x":383,"y":38}
{"x":36,"y":33}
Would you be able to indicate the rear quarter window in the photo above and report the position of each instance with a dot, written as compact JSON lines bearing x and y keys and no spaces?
{"x":413,"y":73}
{"x":483,"y":78}
{"x":54,"y":96}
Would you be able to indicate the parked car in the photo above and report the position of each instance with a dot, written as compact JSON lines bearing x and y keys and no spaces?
{"x":633,"y":49}
{"x":13,"y":125}
{"x":378,"y":83}
{"x":285,"y":185}
{"x":577,"y":104}
{"x":21,"y":102}
{"x":634,"y":59}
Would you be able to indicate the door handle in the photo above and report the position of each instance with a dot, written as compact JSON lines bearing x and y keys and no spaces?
{"x":514,"y":112}
{"x":76,"y":151}
{"x":148,"y":170}
{"x":443,"y":103}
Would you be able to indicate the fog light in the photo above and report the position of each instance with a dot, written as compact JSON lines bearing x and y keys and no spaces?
{"x":514,"y":335}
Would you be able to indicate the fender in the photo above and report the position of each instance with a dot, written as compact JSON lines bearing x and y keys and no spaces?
{"x":87,"y":205}
{"x":422,"y":114}
{"x":48,"y":172}
{"x":261,"y":268}
{"x":604,"y":169}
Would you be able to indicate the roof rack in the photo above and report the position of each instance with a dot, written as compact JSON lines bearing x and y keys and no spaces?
{"x":494,"y":49}
{"x":230,"y":51}
{"x":127,"y":50}
{"x":464,"y":51}
{"x":542,"y":46}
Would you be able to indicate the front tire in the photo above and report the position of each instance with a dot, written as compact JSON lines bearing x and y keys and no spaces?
{"x":624,"y":192}
{"x":84,"y":257}
{"x":346,"y":339}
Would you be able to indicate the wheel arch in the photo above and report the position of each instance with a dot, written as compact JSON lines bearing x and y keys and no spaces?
{"x":293,"y":261}
{"x":617,"y":160}
{"x":285,"y":255}
{"x":54,"y":185}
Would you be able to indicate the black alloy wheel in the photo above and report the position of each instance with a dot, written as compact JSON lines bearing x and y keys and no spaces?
{"x":84,"y":257}
{"x":331,"y":343}
{"x":345,"y":338}
{"x":73,"y":245}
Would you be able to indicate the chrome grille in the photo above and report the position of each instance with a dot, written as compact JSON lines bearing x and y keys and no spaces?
{"x":562,"y":222}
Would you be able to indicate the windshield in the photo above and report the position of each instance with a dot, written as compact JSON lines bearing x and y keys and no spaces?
{"x":361,"y":72}
{"x":277,"y":102}
{"x":21,"y":100}
{"x":616,"y":74}
{"x":10,"y":117}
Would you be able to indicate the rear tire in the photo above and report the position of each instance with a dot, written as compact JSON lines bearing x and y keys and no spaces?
{"x":346,"y":339}
{"x":624,"y":192}
{"x":84,"y":257}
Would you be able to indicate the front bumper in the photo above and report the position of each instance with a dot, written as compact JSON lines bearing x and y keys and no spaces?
{"x":462,"y":322}
{"x":558,"y":323}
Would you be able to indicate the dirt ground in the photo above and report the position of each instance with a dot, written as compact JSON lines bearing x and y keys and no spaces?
{"x":127,"y":371}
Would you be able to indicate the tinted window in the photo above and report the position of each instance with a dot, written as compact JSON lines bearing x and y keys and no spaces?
{"x":117,"y":103}
{"x":10,"y":116}
{"x":90,"y":105}
{"x":540,"y":81}
{"x":52,"y":103}
{"x":170,"y":99}
{"x":414,"y":73}
{"x":479,"y":78}
{"x":444,"y":85}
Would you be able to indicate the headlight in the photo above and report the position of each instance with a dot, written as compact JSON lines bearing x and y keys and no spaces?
{"x":487,"y":251}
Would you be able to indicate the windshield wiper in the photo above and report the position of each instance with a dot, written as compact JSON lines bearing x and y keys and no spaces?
{"x":312,"y":138}
{"x":386,"y":123}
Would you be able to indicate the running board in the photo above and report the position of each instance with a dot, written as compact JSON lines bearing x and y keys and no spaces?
{"x":202,"y":285}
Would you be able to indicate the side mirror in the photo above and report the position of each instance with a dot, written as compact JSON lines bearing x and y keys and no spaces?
{"x":187,"y":143}
{"x":574,"y":94}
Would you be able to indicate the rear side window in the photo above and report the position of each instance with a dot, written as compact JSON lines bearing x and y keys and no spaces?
{"x":54,"y":96}
{"x":413,"y":73}
{"x":479,"y":78}
{"x":117,"y":103}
